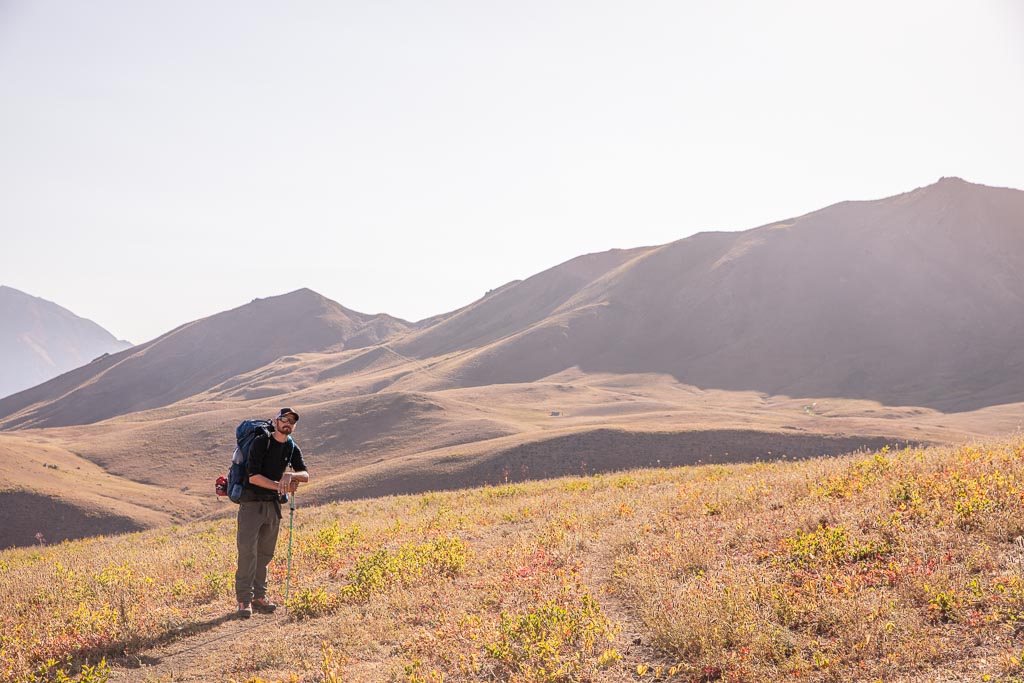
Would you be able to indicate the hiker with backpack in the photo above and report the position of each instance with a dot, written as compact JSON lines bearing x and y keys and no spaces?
{"x":260,"y":483}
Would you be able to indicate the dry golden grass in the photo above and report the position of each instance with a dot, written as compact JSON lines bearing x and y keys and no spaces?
{"x":47,"y":488}
{"x":891,"y":566}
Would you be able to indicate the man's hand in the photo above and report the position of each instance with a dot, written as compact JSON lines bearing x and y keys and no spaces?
{"x":288,"y":483}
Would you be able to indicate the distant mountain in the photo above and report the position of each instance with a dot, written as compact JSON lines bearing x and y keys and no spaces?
{"x":751,"y":345}
{"x":916,"y":299}
{"x":40,"y":340}
{"x":196,"y":357}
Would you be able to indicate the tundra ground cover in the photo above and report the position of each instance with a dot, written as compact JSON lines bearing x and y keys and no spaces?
{"x":891,"y":566}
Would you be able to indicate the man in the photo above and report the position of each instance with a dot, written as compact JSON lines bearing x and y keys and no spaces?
{"x":259,"y":512}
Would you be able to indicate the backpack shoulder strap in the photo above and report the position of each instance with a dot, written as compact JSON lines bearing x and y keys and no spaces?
{"x":291,"y":452}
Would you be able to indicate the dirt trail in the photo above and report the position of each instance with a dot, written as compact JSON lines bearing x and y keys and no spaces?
{"x":633,"y":640}
{"x":203,"y":651}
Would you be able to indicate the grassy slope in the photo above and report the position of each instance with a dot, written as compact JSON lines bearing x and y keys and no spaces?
{"x":151,"y":468}
{"x":49,"y":489}
{"x":895,"y":566}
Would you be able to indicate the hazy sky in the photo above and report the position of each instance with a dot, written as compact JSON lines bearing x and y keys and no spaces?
{"x":164,"y":161}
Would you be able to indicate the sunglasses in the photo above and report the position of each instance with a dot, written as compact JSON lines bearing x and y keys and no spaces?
{"x":286,"y":420}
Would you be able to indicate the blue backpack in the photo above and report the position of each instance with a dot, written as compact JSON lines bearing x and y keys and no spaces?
{"x":245,"y":437}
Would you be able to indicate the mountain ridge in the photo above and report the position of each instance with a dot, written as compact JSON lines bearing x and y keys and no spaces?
{"x":914,"y":299}
{"x":888,"y":321}
{"x":194,"y":357}
{"x":904,"y":300}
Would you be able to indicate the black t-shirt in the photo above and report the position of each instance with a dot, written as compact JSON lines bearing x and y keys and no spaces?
{"x":271,"y":460}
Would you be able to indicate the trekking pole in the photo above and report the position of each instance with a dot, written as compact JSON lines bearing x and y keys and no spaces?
{"x":291,"y":521}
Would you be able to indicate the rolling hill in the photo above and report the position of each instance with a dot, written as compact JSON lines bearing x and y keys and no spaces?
{"x":916,"y":299}
{"x":860,"y":325}
{"x":195,"y":357}
{"x":900,"y":565}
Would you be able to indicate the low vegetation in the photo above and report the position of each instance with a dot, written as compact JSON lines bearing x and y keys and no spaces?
{"x":890,"y":566}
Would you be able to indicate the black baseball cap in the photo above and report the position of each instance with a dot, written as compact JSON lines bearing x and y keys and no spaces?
{"x":287,"y":411}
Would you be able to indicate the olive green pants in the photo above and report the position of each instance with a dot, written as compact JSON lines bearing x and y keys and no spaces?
{"x":258,"y":524}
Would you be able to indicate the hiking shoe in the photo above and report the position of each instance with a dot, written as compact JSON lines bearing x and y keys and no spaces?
{"x":244,"y":610}
{"x":263,"y":606}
